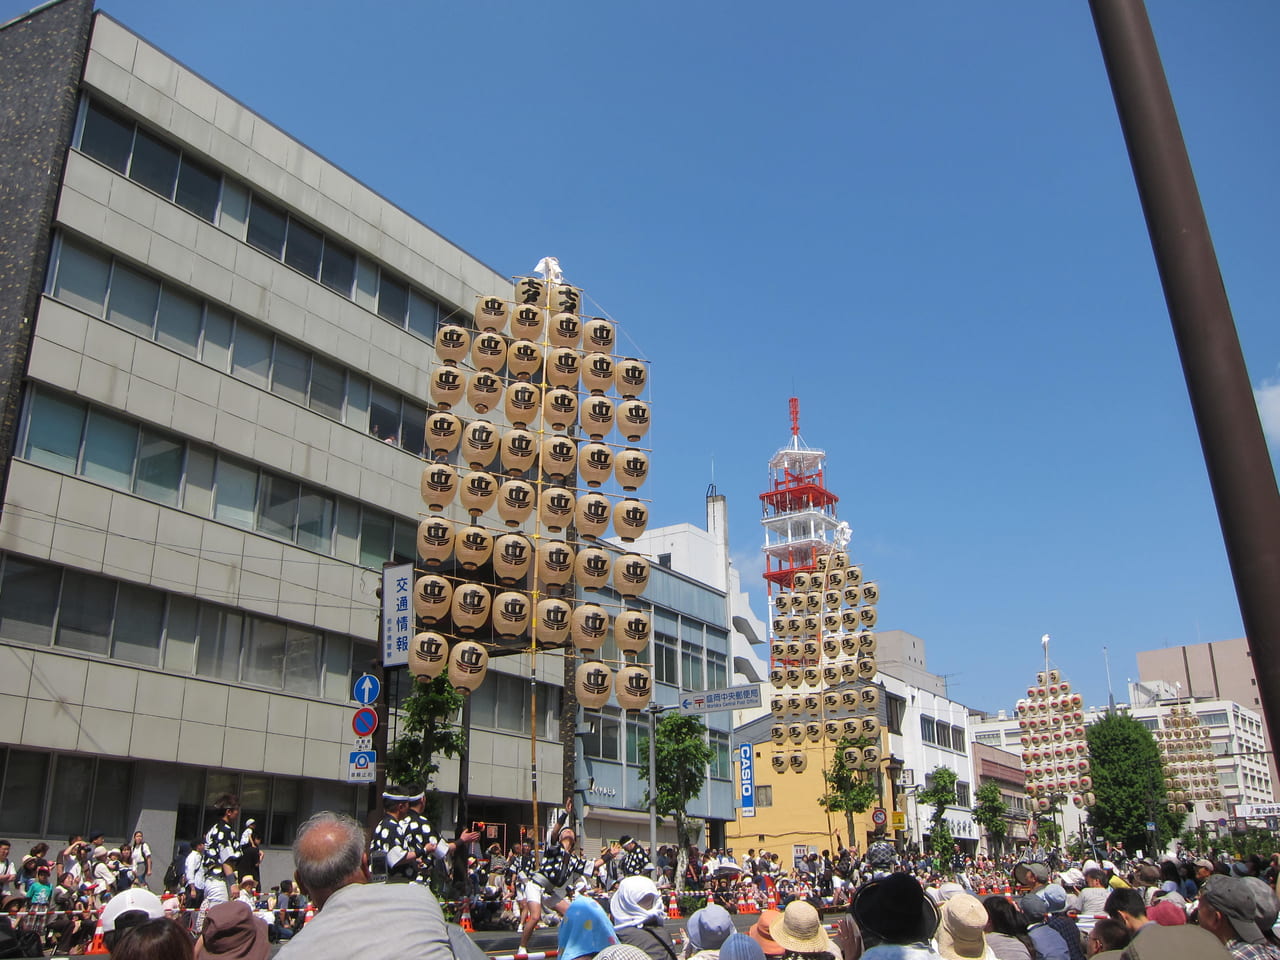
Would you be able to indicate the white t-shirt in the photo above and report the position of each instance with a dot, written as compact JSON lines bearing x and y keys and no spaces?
{"x":195,"y":869}
{"x":139,"y":857}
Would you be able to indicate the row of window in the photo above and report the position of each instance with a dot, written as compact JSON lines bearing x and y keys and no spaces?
{"x":43,"y":604}
{"x":132,"y":150}
{"x":680,"y":664}
{"x":502,"y":703}
{"x":942,"y":734}
{"x":106,"y":287}
{"x":72,"y":437}
{"x":57,"y":795}
{"x":602,"y":739}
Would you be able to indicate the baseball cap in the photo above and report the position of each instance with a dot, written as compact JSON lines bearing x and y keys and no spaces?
{"x":1232,"y":898}
{"x":137,"y":899}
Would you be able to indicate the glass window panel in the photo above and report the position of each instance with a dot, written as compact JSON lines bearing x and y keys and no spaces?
{"x":28,"y":600}
{"x":362,"y":657}
{"x":197,"y":491}
{"x":423,"y":314}
{"x":216,"y":347}
{"x":289,"y":373}
{"x":132,"y":304}
{"x":610,"y":737}
{"x":180,"y":635}
{"x":278,"y":512}
{"x":25,"y":788}
{"x":404,"y":546}
{"x":284,"y":813}
{"x":384,"y":416}
{"x":315,"y":521}
{"x":155,"y":164}
{"x":85,"y":611}
{"x":347,"y":533}
{"x":159,"y":473}
{"x":302,"y":661}
{"x":72,"y":786}
{"x":337,"y":268}
{"x":264,"y":654}
{"x":357,"y":401}
{"x":235,"y":491}
{"x":375,"y":538}
{"x":218,"y":647}
{"x":110,"y":447}
{"x":107,"y":138}
{"x":178,"y":322}
{"x":255,"y":801}
{"x":484,"y":709}
{"x":266,"y":228}
{"x":328,"y":386}
{"x":82,"y":278}
{"x":393,"y":299}
{"x":53,"y":433}
{"x":302,"y":249}
{"x":337,"y":667}
{"x":251,"y":356}
{"x":139,"y":623}
{"x":198,"y":188}
{"x":413,"y":430}
{"x":111,"y":796}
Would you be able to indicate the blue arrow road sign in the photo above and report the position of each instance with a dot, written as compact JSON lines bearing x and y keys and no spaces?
{"x":366,"y":689}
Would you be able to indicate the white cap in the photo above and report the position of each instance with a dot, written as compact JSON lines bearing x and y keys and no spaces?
{"x":135,"y":898}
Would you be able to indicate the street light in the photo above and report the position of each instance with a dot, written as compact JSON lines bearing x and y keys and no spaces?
{"x":653,"y":710}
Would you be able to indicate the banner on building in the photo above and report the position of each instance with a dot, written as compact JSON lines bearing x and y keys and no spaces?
{"x":397,"y":613}
{"x":747,"y":779}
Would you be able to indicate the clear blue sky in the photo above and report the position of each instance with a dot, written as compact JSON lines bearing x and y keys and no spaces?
{"x":917,"y":217}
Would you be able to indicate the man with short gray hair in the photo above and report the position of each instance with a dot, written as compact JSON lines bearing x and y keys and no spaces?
{"x":356,"y":918}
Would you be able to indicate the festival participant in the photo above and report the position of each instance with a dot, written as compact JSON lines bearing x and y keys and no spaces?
{"x":221,"y":853}
{"x":560,"y":868}
{"x":585,"y":931}
{"x":639,"y":919}
{"x":895,"y":916}
{"x":388,"y":847}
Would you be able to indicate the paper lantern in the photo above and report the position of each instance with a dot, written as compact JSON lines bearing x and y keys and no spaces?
{"x":809,"y":624}
{"x":590,"y":627}
{"x":431,"y":597}
{"x":799,"y":582}
{"x":632,"y":630}
{"x":519,"y":449}
{"x":597,"y":372}
{"x":849,"y":699}
{"x":565,"y":298}
{"x":871,"y":757}
{"x":778,"y":706}
{"x":595,"y":463}
{"x":444,"y":430}
{"x":853,"y":575}
{"x":779,"y":626}
{"x":438,"y":485}
{"x":523,"y":359}
{"x":1054,"y":676}
{"x":555,"y":563}
{"x":633,"y":687}
{"x":778,"y":732}
{"x":593,"y":682}
{"x":479,"y":492}
{"x":867,"y":643}
{"x":792,"y":648}
{"x":479,"y":444}
{"x":559,"y":455}
{"x":795,"y":732}
{"x":511,"y":613}
{"x":866,"y":667}
{"x":852,"y":758}
{"x":794,"y":677}
{"x":512,"y":556}
{"x":795,"y":704}
{"x":484,"y":391}
{"x":520,"y":403}
{"x":491,"y":313}
{"x":470,"y":607}
{"x":528,"y":322}
{"x":835,"y":579}
{"x":564,"y":365}
{"x":830,"y":700}
{"x":592,"y":568}
{"x":515,"y":502}
{"x":870,"y":728}
{"x":591,"y":516}
{"x":428,"y":655}
{"x":452,"y":343}
{"x":631,"y":574}
{"x":830,"y":673}
{"x":555,"y":508}
{"x":629,"y":378}
{"x":447,"y":386}
{"x":782,"y":602}
{"x":870,"y":698}
{"x":831,"y":600}
{"x":813,"y":730}
{"x":852,"y":594}
{"x":870,"y":593}
{"x":809,"y":649}
{"x":435,"y":540}
{"x":630,"y":519}
{"x":779,"y":762}
{"x":867,"y":616}
{"x":633,"y":419}
{"x":473,"y":546}
{"x":596,"y":416}
{"x":552,"y":621}
{"x":848,"y":671}
{"x":830,"y":647}
{"x":831,"y":728}
{"x":778,"y":677}
{"x":812,"y":602}
{"x":560,"y":409}
{"x":565,"y":330}
{"x":811,"y":675}
{"x":598,"y":334}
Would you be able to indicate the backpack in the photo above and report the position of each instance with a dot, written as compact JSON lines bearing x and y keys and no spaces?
{"x":173,"y":875}
{"x":124,"y":879}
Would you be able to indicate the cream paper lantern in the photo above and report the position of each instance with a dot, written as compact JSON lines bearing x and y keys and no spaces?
{"x":595,"y":463}
{"x":794,"y":677}
{"x":565,"y":298}
{"x":452,"y":343}
{"x":866,"y":667}
{"x":631,"y":574}
{"x":589,"y":628}
{"x":871,"y":757}
{"x":468,"y":663}
{"x":432,"y":595}
{"x":630,"y":519}
{"x":528,"y":322}
{"x":447,"y":387}
{"x":830,"y":700}
{"x":870,"y":698}
{"x":799,"y":582}
{"x":853,"y":575}
{"x":795,"y":732}
{"x":438,"y":485}
{"x":563,"y":367}
{"x":479,"y":444}
{"x":591,"y":516}
{"x":597,"y":373}
{"x":473,"y":547}
{"x":809,"y":649}
{"x":809,"y":625}
{"x":795,"y":704}
{"x":870,"y":594}
{"x":820,"y":565}
{"x":849,"y":699}
{"x":852,"y":594}
{"x":470,"y":607}
{"x":521,"y":402}
{"x":870,"y":728}
{"x":560,"y":409}
{"x":832,"y":730}
{"x":479,"y":492}
{"x":555,"y":563}
{"x":633,"y":420}
{"x":633,"y":687}
{"x":831,"y":647}
{"x":778,"y":677}
{"x":524,"y":358}
{"x":778,"y":706}
{"x":598,"y":334}
{"x":782,"y":602}
{"x":511,"y":613}
{"x":830,"y":673}
{"x":779,"y":762}
{"x":778,"y":733}
{"x":848,"y":671}
{"x":565,"y":330}
{"x":555,"y":508}
{"x":515,"y":502}
{"x":867,"y":643}
{"x":631,"y":469}
{"x":559,"y":456}
{"x":632,"y":630}
{"x":629,"y":378}
{"x":512,"y":557}
{"x":519,"y":451}
{"x":835,"y":579}
{"x":779,"y":625}
{"x":428,"y":655}
{"x":444,"y":431}
{"x":792,"y":648}
{"x":436,"y":537}
{"x":592,"y":568}
{"x":484,"y":391}
{"x":867,"y":616}
{"x":811,"y":675}
{"x":596,"y":415}
{"x":848,"y":644}
{"x":849,"y":728}
{"x":831,"y":600}
{"x":813,"y":730}
{"x":552,"y":621}
{"x":492,"y":313}
{"x":852,"y":758}
{"x":813,"y":601}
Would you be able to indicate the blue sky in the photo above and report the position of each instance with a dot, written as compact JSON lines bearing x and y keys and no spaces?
{"x":919,"y":218}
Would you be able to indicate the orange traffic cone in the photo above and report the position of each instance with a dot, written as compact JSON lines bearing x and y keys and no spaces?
{"x":673,"y":908}
{"x":742,"y":904}
{"x":752,"y":905}
{"x":311,"y":912}
{"x":710,"y":898}
{"x":465,"y":920}
{"x":773,"y":895}
{"x":97,"y":945}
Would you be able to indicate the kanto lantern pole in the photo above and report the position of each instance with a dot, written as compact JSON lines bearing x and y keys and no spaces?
{"x":1235,"y":452}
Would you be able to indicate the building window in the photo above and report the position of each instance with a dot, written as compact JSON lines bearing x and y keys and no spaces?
{"x":958,"y":739}
{"x":717,"y":670}
{"x":764,"y":795}
{"x":274,"y":802}
{"x":895,"y":708}
{"x":43,"y":794}
{"x":691,"y":667}
{"x":637,"y":738}
{"x":990,"y":738}
{"x":664,"y":560}
{"x":962,"y":794}
{"x":601,"y":736}
{"x":721,"y":756}
{"x":1218,"y":718}
{"x":666,"y":667}
{"x":928,"y":730}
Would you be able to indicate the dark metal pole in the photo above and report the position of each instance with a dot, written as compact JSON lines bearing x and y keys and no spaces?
{"x":1235,"y":453}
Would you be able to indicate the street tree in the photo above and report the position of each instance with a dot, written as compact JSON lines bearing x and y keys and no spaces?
{"x":681,"y":757}
{"x":940,"y":794}
{"x":427,"y":733}
{"x":849,"y":790}
{"x":991,"y":812}
{"x":1129,"y":785}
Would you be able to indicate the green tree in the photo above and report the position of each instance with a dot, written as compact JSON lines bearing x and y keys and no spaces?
{"x":1129,"y":785}
{"x":940,"y":794}
{"x":991,"y":812}
{"x":426,"y":733}
{"x":681,"y":758}
{"x":849,"y":791}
